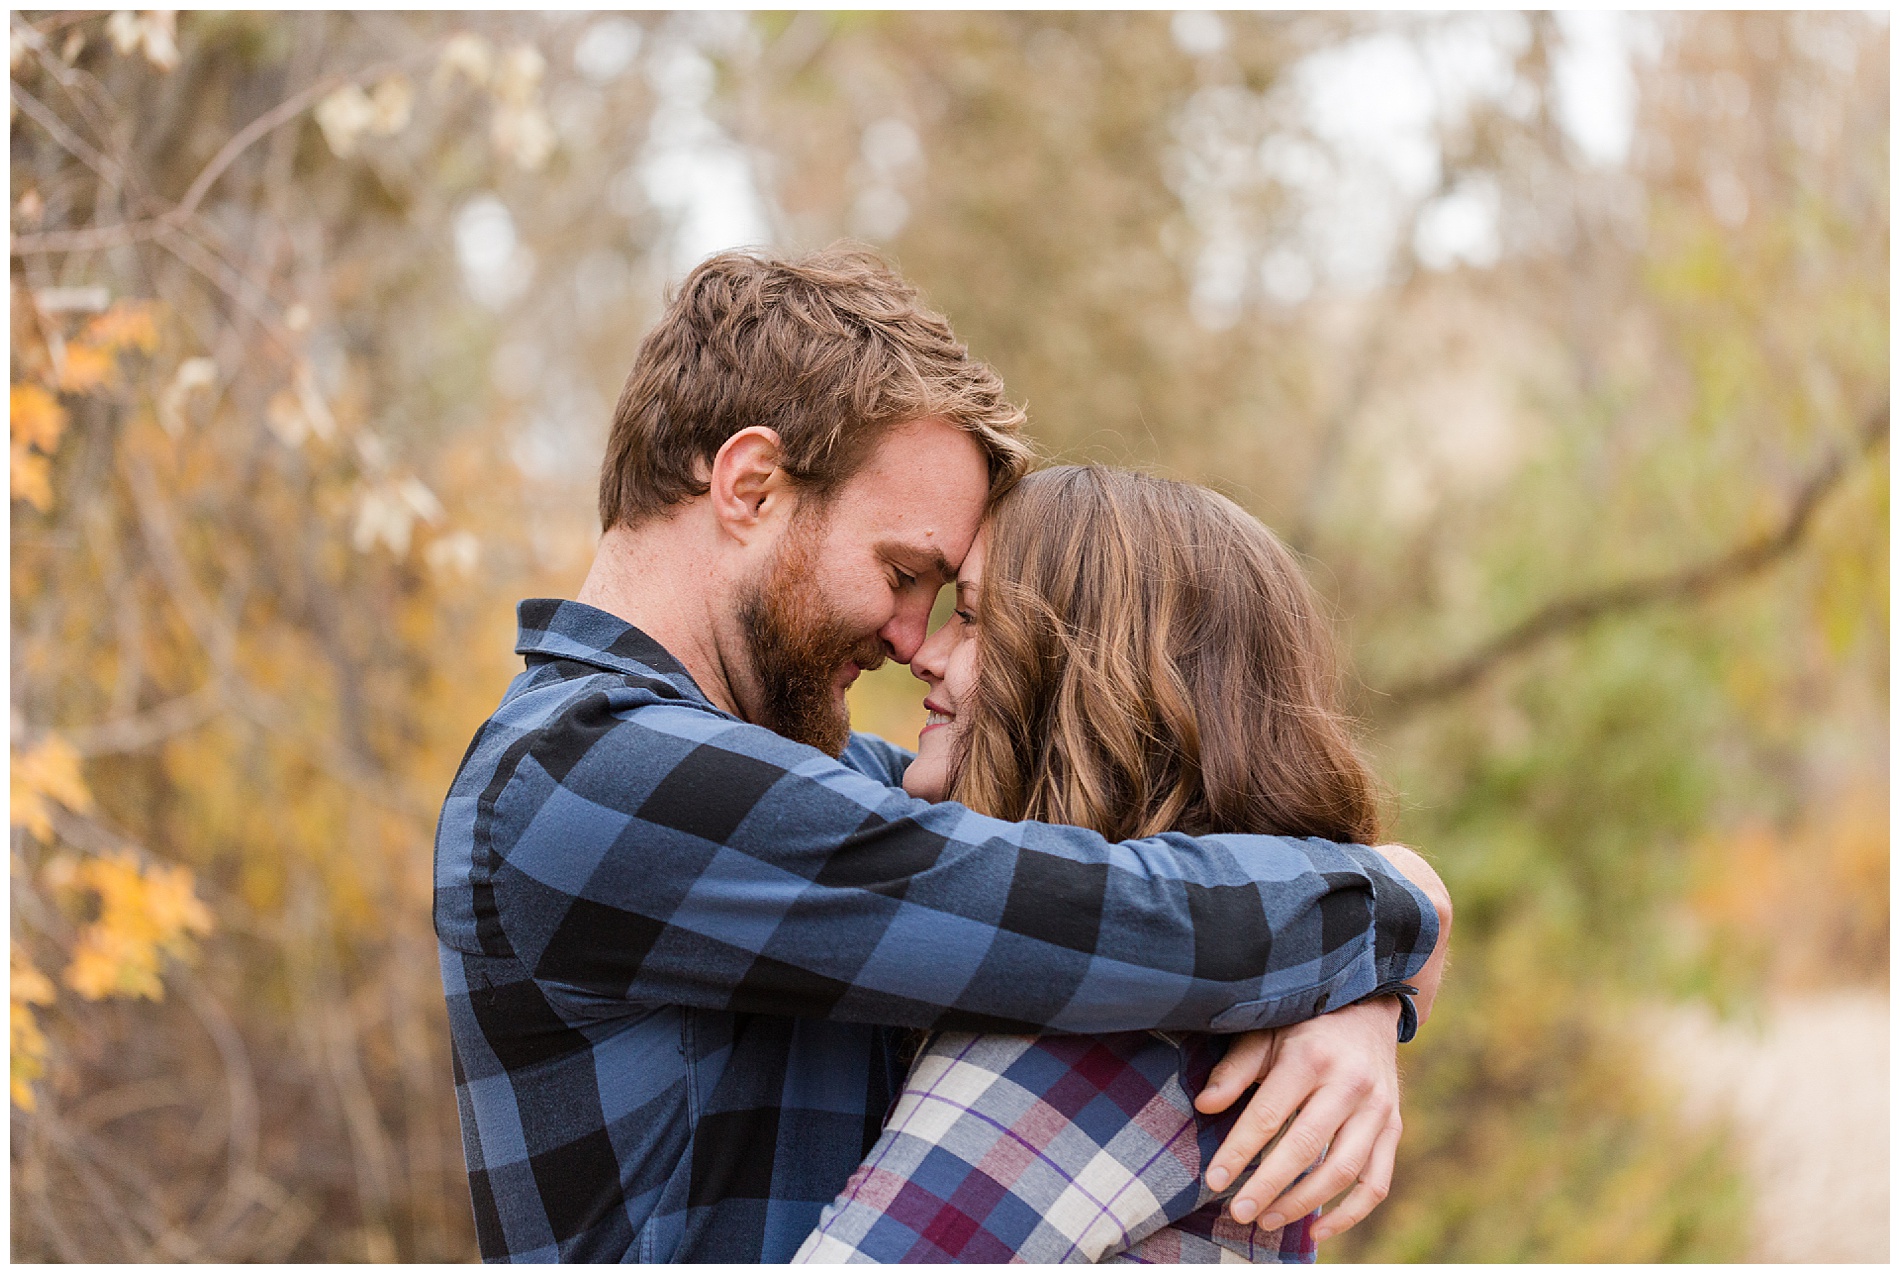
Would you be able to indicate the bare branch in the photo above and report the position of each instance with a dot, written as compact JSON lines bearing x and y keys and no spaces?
{"x":96,"y":1110}
{"x":275,"y":117}
{"x":137,"y":231}
{"x":241,"y":1126}
{"x":93,"y":239}
{"x":87,"y":94}
{"x":118,"y":1218}
{"x":282,"y":114}
{"x":217,"y":636}
{"x":1691,"y":583}
{"x":60,"y":21}
{"x":30,"y":1177}
{"x":141,"y":730}
{"x":161,"y":538}
{"x":228,"y":280}
{"x":42,"y":114}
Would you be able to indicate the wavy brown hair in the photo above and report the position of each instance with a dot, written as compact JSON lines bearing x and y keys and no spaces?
{"x":1152,"y":658}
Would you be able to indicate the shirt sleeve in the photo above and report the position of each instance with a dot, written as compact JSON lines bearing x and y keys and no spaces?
{"x":877,"y":758}
{"x":670,"y":856}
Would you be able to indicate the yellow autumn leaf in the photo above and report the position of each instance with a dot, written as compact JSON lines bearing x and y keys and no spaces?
{"x":47,"y":773}
{"x":86,"y":368}
{"x":37,"y":423}
{"x":127,"y":325}
{"x":91,"y":359}
{"x":145,"y":913}
{"x":31,"y":477}
{"x":37,"y":418}
{"x":27,"y":987}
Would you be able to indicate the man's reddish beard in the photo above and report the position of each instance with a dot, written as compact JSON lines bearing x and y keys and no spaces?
{"x":799,"y":645}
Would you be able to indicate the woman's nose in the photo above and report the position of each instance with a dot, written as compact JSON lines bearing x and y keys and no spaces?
{"x":927,"y":663}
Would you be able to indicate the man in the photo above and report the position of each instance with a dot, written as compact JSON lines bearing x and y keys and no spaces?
{"x":681,"y":907}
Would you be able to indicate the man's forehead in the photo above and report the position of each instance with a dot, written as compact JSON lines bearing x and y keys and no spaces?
{"x":926,"y":488}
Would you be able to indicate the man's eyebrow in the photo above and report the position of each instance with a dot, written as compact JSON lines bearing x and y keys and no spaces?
{"x":930,"y":559}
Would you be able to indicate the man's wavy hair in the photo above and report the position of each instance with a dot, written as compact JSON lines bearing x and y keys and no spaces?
{"x":830,"y":349}
{"x":1151,"y":658}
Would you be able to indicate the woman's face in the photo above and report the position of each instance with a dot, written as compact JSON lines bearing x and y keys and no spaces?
{"x":946,"y":662}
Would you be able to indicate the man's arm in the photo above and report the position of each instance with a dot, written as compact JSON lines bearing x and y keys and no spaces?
{"x":1339,"y":1074}
{"x":1420,"y":873}
{"x":668,"y":855}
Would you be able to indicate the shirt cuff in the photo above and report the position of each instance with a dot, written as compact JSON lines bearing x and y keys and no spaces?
{"x":1403,"y":934}
{"x":1408,"y":1012}
{"x":1404,"y":922}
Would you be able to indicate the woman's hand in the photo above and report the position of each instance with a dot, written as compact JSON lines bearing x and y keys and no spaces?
{"x":1337,"y":1078}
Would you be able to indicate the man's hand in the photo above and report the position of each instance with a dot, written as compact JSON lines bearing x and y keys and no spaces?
{"x":1340,"y":1073}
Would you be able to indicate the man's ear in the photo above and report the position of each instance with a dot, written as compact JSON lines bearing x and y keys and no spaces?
{"x":747,"y":486}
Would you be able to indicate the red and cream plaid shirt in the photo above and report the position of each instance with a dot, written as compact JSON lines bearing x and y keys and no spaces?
{"x":1049,"y":1149}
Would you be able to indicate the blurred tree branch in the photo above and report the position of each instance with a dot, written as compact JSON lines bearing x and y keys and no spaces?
{"x":140,"y":730}
{"x":107,"y":169}
{"x":217,"y":634}
{"x":1692,"y":583}
{"x":97,"y":237}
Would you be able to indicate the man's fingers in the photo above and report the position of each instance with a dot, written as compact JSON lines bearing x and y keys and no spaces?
{"x":1246,"y":1061}
{"x":1374,"y":1182}
{"x":1286,"y":1086}
{"x":1348,"y":1160}
{"x":1272,"y":1197}
{"x":1303,"y":1143}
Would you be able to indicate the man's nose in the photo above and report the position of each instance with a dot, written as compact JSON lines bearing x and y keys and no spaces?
{"x":904,"y":635}
{"x":927,"y":664}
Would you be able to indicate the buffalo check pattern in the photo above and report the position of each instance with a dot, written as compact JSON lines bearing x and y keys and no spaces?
{"x":674,"y":947}
{"x":1049,"y":1150}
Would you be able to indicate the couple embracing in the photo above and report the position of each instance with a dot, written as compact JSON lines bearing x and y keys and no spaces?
{"x":729,"y":982}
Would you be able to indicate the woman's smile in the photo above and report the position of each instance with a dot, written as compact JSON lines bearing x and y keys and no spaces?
{"x":946,"y":662}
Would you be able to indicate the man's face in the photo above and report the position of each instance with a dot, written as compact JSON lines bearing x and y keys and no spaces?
{"x":853,"y":579}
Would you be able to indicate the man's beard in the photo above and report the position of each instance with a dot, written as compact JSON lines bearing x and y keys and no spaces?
{"x":798,"y":646}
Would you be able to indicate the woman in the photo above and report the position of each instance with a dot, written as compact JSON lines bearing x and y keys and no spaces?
{"x":1131,"y":655}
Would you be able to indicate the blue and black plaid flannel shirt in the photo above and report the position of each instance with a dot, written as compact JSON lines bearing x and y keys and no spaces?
{"x":674,"y":947}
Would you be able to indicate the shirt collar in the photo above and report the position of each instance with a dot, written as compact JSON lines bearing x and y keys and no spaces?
{"x":558,"y":629}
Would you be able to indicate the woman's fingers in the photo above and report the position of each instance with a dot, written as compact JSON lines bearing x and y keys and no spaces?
{"x":1373,"y":1185}
{"x":1287,"y":1086}
{"x":1248,"y":1057}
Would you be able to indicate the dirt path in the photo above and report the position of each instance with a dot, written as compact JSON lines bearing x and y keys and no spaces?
{"x":1808,"y":1096}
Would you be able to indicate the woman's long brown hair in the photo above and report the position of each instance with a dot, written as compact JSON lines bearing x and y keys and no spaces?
{"x":1152,"y":658}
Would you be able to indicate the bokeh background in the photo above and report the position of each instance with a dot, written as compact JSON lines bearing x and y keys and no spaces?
{"x":1557,"y":345}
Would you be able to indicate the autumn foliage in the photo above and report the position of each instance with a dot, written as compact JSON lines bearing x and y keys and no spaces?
{"x":317,"y":321}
